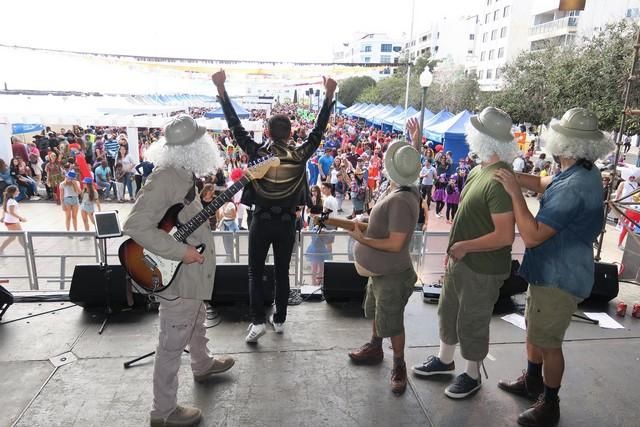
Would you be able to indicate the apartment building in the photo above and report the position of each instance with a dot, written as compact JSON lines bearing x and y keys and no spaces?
{"x":374,"y":48}
{"x":448,"y":39}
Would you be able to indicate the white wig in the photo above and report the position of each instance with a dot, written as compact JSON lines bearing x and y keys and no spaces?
{"x":484,"y":146}
{"x":200,"y":157}
{"x":592,"y":149}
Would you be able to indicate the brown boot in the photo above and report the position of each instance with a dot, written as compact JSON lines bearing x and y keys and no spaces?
{"x":525,"y":386}
{"x":543,"y":413}
{"x":399,"y":379}
{"x":368,"y":354}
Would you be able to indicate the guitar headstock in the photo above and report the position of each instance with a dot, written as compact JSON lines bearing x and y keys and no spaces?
{"x":321,"y":219}
{"x":259,"y":168}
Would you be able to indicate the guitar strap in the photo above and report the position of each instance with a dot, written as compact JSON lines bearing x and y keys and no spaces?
{"x":191,"y":195}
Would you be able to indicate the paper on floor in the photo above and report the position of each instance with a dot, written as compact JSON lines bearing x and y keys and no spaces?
{"x":516,"y":320}
{"x":604,"y":320}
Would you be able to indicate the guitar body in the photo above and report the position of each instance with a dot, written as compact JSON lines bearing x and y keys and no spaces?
{"x":150,"y":271}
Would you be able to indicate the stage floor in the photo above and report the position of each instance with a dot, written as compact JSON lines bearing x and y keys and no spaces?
{"x":301,"y":378}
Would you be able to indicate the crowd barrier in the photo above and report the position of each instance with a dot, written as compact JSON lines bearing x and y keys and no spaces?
{"x":48,"y":259}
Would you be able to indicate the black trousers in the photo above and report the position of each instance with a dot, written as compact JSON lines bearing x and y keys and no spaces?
{"x":452,"y":208}
{"x":426,"y":193}
{"x":268,"y":229}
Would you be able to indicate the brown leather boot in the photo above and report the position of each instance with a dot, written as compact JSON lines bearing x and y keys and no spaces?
{"x":399,"y":379}
{"x":525,"y":386}
{"x":543,"y":413}
{"x":368,"y":354}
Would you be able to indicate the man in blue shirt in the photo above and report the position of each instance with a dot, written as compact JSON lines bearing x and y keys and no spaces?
{"x":558,"y":262}
{"x":104,"y":179}
{"x":324,"y":164}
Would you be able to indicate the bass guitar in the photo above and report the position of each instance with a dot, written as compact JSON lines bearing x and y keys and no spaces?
{"x":154,"y":273}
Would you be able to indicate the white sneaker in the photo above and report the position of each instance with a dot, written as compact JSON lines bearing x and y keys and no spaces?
{"x":35,"y":198}
{"x":278,"y":327}
{"x":255,"y":332}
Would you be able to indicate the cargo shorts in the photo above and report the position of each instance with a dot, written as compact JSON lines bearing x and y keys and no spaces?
{"x":548,"y":315}
{"x":465,"y":308}
{"x":386,"y":299}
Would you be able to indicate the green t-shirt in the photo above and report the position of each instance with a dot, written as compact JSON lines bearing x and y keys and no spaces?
{"x":481,"y":197}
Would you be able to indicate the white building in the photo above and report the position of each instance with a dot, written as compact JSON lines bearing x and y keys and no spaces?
{"x":448,"y":39}
{"x":374,"y":48}
{"x":553,"y":27}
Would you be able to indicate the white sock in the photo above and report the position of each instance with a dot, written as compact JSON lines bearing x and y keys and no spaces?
{"x":473,"y":369}
{"x":446,"y":352}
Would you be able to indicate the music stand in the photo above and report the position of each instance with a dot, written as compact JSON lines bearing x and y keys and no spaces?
{"x":107,"y":227}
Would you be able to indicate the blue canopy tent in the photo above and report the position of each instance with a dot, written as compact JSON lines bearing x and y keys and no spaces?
{"x":438,"y":118}
{"x":368,"y":115}
{"x":348,"y":111}
{"x":340,"y":107}
{"x":380,"y":120}
{"x":218,"y":113}
{"x":427,"y":116}
{"x":21,"y":128}
{"x":387,"y":123}
{"x":400,"y":120}
{"x":451,"y":133}
{"x":377,"y":114}
{"x":361,"y":113}
{"x":354,"y":109}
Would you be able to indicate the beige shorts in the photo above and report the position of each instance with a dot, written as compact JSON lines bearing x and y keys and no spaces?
{"x":386,"y":299}
{"x":548,"y":315}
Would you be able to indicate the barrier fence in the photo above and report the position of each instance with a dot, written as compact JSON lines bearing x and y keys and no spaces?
{"x":48,"y":258}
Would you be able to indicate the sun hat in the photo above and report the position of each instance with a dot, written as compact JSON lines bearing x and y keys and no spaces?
{"x":402,"y":163}
{"x":578,"y":123}
{"x":71,"y":174}
{"x":183,"y":130}
{"x":493,"y":122}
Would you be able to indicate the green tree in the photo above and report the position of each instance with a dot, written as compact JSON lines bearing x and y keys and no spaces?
{"x":352,"y":87}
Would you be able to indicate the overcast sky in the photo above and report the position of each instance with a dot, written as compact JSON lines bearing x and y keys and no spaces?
{"x":280,"y":30}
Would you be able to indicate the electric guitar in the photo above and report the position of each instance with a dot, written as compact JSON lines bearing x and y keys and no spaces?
{"x":154,"y":273}
{"x":323,"y":220}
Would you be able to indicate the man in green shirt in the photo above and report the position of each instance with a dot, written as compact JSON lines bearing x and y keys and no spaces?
{"x":479,"y":255}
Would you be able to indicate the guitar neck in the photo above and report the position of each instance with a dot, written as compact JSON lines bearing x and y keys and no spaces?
{"x":345,"y":224}
{"x":203,"y":216}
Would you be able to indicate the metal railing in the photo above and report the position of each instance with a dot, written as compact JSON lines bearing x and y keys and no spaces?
{"x":566,"y":24}
{"x":48,"y":259}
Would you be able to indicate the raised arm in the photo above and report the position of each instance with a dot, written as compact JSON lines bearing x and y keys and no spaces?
{"x":241,"y":136}
{"x":315,"y":137}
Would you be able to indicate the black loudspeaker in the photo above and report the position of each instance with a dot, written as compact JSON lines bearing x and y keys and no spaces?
{"x":88,"y":287}
{"x":231,"y":284}
{"x":6,"y":299}
{"x":514,"y":284}
{"x":605,"y":283}
{"x":342,"y":282}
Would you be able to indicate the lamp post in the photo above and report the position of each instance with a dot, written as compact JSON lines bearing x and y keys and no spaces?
{"x":426,"y":78}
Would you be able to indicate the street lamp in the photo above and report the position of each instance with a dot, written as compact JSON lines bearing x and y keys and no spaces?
{"x":426,"y":78}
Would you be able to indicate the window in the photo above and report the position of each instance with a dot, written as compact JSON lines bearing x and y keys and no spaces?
{"x":481,"y":74}
{"x":472,"y":36}
{"x":423,"y":38}
{"x":367,"y":48}
{"x":496,"y":14}
{"x":485,"y":37}
{"x":506,"y":11}
{"x":483,"y":55}
{"x":498,"y":73}
{"x":487,"y":17}
{"x":470,"y":52}
{"x":491,"y":54}
{"x":503,"y":32}
{"x":397,"y":49}
{"x":385,"y":47}
{"x":385,"y":59}
{"x":489,"y":74}
{"x":494,"y":34}
{"x":633,"y":13}
{"x":367,"y":59}
{"x":500,"y":53}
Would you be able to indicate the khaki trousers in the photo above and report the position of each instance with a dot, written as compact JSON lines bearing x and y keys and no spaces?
{"x":181,"y":324}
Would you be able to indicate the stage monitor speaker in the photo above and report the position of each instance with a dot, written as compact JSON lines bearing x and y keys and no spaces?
{"x":88,"y":287}
{"x":605,"y":283}
{"x":342,"y":282}
{"x":231,"y":284}
{"x":6,"y":299}
{"x":514,"y":284}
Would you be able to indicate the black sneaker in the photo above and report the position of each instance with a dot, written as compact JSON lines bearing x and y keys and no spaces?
{"x":433,"y":366}
{"x":463,"y":386}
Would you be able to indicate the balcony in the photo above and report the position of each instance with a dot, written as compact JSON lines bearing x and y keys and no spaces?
{"x":558,"y":27}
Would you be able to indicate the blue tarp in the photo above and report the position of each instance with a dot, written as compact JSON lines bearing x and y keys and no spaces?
{"x":400,"y":120}
{"x":20,"y":128}
{"x":242,"y":113}
{"x":451,"y":133}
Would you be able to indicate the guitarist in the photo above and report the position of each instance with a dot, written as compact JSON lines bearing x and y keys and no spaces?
{"x":382,"y":254}
{"x":186,"y":150}
{"x":275,"y":198}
